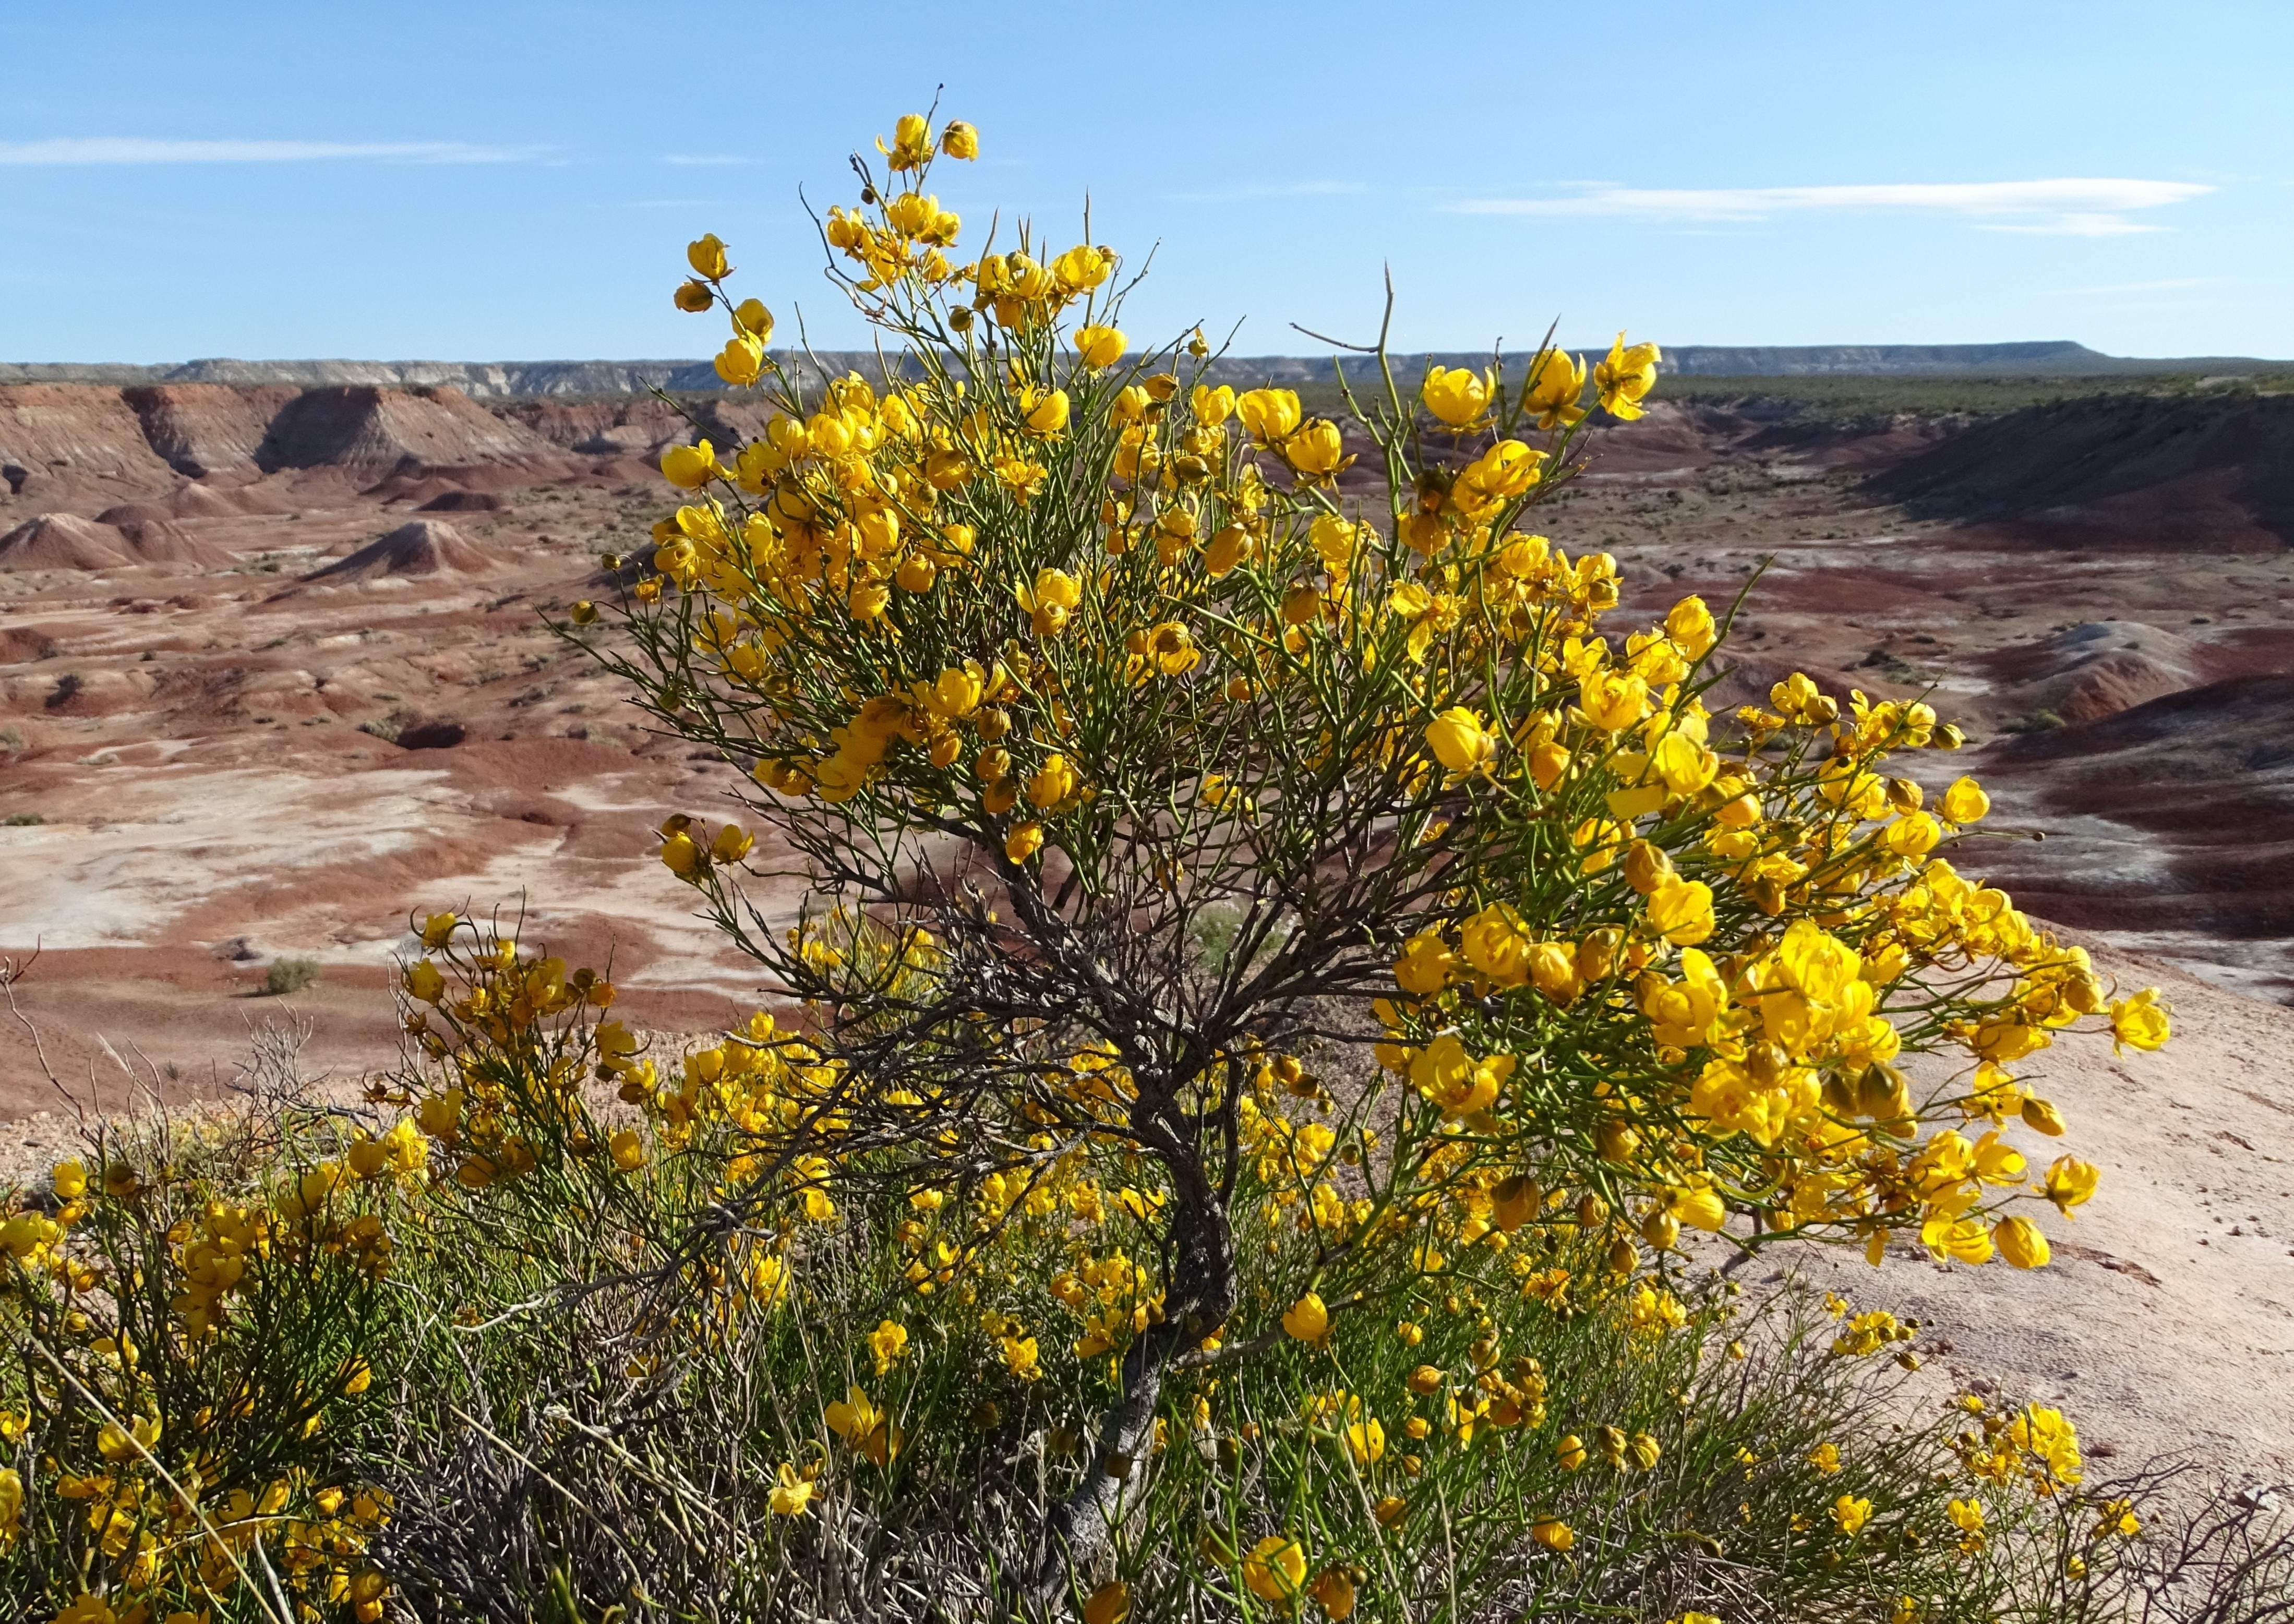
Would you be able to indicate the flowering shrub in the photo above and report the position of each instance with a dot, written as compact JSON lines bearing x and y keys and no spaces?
{"x":1276,"y":982}
{"x":1049,"y":652}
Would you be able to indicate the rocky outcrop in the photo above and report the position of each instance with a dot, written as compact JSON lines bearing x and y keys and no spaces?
{"x":64,"y":443}
{"x":204,"y":429}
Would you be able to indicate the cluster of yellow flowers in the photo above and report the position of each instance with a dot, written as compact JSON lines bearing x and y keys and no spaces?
{"x":158,"y":1501}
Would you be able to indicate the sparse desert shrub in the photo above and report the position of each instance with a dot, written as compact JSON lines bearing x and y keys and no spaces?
{"x":12,"y":741}
{"x":1277,"y":983}
{"x":289,"y":975}
{"x":23,"y":820}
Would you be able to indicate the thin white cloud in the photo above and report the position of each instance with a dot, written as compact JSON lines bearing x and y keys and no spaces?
{"x":2094,"y":208}
{"x":137,"y":149}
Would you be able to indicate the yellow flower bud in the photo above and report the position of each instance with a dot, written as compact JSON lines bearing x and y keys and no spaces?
{"x":1023,"y":843}
{"x":2021,"y":1242}
{"x":706,"y":255}
{"x":2041,"y":1114}
{"x":960,"y":140}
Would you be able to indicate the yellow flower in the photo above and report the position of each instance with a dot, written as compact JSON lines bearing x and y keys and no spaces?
{"x":1098,"y":347}
{"x":1275,"y":1568}
{"x":706,"y":255}
{"x":1053,"y":783}
{"x":1333,"y":1590}
{"x":689,"y":467}
{"x":853,"y":1416}
{"x":888,"y":1341}
{"x":628,"y":1151}
{"x":742,"y":361}
{"x":1570,"y":1453}
{"x":69,"y":1180}
{"x":1624,"y":378}
{"x":1082,"y":268}
{"x":1317,"y":450}
{"x":2071,"y":1181}
{"x":1455,"y":395}
{"x":1366,"y":1442}
{"x":1614,"y":701}
{"x":693,"y":297}
{"x":912,"y":142}
{"x":438,"y":930}
{"x":1269,"y":415}
{"x":752,"y":317}
{"x":1306,"y":1319}
{"x":2140,"y":1020}
{"x":2021,"y":1242}
{"x":1966,"y":1516}
{"x":1689,"y":625}
{"x":1553,"y":1533}
{"x":1051,"y":600}
{"x":1851,"y":1512}
{"x":1824,"y":1458}
{"x":960,"y":140}
{"x":1965,"y":802}
{"x":1681,"y":911}
{"x":1021,"y":1358}
{"x":1212,"y":406}
{"x":682,"y":857}
{"x":1458,"y":740}
{"x":1024,"y":842}
{"x":1049,"y":415}
{"x":1555,"y":385}
{"x":792,"y":1495}
{"x":1111,"y":1603}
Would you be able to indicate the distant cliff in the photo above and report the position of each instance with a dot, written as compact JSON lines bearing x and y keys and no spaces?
{"x":503,"y":380}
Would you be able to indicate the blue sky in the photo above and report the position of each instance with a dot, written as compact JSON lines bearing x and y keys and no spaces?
{"x":484,"y":181}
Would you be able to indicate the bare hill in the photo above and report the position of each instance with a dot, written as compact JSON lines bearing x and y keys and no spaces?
{"x":420,"y":546}
{"x":63,"y":541}
{"x":2187,"y":472}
